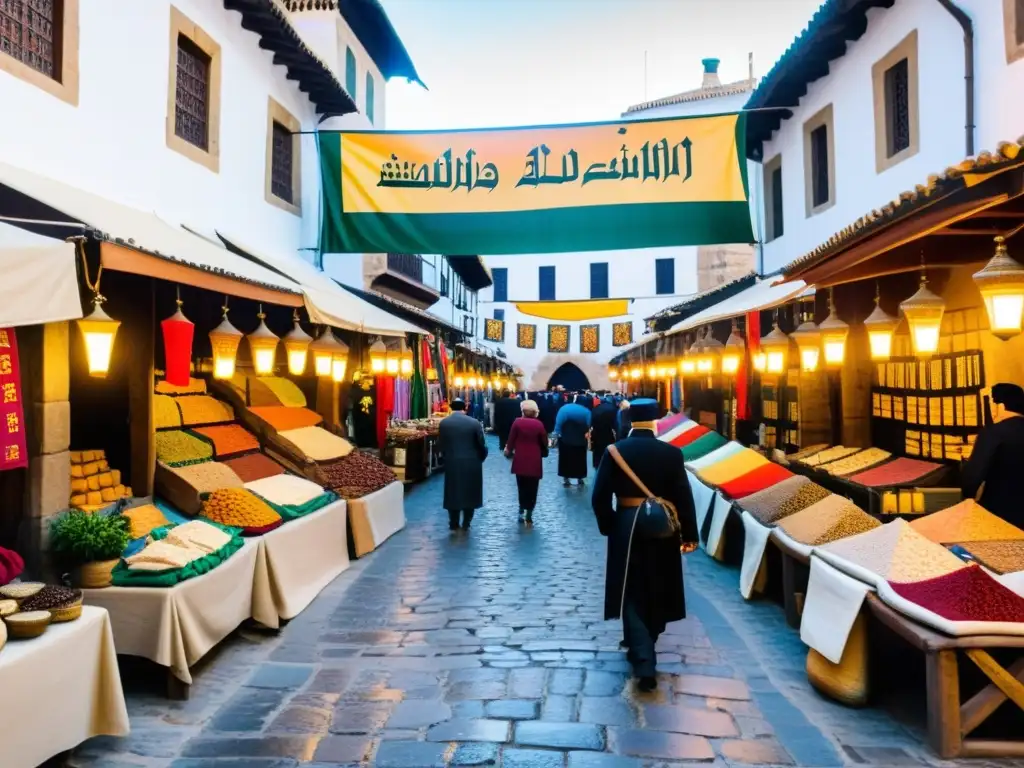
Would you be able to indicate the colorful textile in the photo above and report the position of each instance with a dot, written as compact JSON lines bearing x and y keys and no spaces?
{"x":756,"y":480}
{"x":896,"y":472}
{"x":967,"y":594}
{"x":894,"y":552}
{"x":683,"y":439}
{"x":671,"y":421}
{"x":715,"y":456}
{"x":703,"y":445}
{"x":733,"y":467}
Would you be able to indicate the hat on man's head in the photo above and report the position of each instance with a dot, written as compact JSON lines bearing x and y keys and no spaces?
{"x":643,"y":409}
{"x":1009,"y":395}
{"x":458,"y":404}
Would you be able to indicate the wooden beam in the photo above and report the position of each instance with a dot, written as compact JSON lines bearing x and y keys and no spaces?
{"x":1006,"y":682}
{"x":977,"y":709}
{"x":943,"y":686}
{"x":990,"y":232}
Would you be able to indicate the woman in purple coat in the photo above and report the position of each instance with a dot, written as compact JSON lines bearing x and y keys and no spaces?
{"x":528,"y":446}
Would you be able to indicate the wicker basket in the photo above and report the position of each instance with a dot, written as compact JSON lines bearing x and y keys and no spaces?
{"x":7,"y":607}
{"x":97,"y":574}
{"x":847,"y":681}
{"x":25,"y":626}
{"x":67,"y":613}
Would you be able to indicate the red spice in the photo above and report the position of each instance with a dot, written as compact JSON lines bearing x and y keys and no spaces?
{"x":687,"y":437}
{"x":255,"y":466}
{"x":968,"y":594}
{"x":765,"y":476}
{"x":896,"y":472}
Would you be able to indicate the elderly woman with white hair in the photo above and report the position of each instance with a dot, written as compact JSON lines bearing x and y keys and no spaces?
{"x":528,"y":447}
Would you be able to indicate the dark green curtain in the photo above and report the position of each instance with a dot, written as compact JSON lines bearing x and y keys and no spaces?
{"x":418,"y":405}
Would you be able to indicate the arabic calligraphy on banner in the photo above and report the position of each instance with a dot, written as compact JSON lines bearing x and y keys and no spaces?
{"x":13,"y":445}
{"x":384,"y":191}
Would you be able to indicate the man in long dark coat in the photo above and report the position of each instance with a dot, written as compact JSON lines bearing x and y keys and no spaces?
{"x":602,"y":429}
{"x":644,"y":579}
{"x":506,"y":410}
{"x":996,"y":465}
{"x":461,"y":439}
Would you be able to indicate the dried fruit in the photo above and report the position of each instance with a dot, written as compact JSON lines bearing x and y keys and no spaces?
{"x":355,"y":476}
{"x":239,"y":508}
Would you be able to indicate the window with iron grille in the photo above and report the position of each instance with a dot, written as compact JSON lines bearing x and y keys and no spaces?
{"x":31,"y":32}
{"x":281,"y":163}
{"x":897,"y":107}
{"x":819,"y":166}
{"x":192,"y":94}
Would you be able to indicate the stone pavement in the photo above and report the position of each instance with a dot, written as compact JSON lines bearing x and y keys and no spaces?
{"x":489,"y":648}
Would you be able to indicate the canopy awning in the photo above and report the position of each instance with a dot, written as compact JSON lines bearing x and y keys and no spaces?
{"x":765,"y":294}
{"x":326,"y":302}
{"x":137,"y":241}
{"x":584,"y":309}
{"x":39,"y":285}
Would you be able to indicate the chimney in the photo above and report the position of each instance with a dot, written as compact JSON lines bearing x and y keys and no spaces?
{"x":710,"y":73}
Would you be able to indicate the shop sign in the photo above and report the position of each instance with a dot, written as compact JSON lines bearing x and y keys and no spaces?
{"x":547,"y":189}
{"x":13,"y":446}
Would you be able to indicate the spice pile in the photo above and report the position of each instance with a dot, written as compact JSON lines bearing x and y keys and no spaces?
{"x":998,"y":556}
{"x":203,"y":409}
{"x":239,"y":508}
{"x":404,"y":435}
{"x":896,"y":472}
{"x":284,"y":390}
{"x":280,"y":417}
{"x":783,"y":499}
{"x":51,"y":597}
{"x":810,"y":450}
{"x":287,"y":490}
{"x":208,"y":476}
{"x":94,"y":484}
{"x":142,"y":520}
{"x":966,"y":521}
{"x":27,"y":609}
{"x":254,"y":466}
{"x":166,"y":414}
{"x":829,"y":454}
{"x":830,"y":519}
{"x":317,"y":443}
{"x":355,"y":476}
{"x":194,"y":387}
{"x":896,"y":552}
{"x":176,"y":448}
{"x":229,"y":439}
{"x":857,"y":462}
{"x":968,"y":594}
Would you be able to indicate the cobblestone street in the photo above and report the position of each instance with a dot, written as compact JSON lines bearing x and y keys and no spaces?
{"x":489,"y":648}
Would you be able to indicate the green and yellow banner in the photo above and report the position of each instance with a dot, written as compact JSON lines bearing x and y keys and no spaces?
{"x":598,"y":186}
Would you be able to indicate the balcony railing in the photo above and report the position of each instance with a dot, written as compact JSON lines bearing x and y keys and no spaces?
{"x":407,"y":264}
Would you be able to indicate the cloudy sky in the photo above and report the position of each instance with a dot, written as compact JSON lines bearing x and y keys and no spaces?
{"x":491,"y":63}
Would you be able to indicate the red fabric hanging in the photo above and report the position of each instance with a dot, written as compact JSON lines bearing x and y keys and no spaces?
{"x":743,"y":375}
{"x":385,"y":406}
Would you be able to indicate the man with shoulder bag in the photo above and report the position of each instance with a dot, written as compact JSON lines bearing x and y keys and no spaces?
{"x":643,"y":505}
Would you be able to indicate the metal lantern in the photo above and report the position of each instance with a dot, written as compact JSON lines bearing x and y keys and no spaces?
{"x":392,"y":360}
{"x":98,"y":330}
{"x":177,"y":331}
{"x":262,"y":347}
{"x":378,"y":357}
{"x":404,"y":360}
{"x":833,"y":336}
{"x":613,"y":373}
{"x":326,"y":351}
{"x":224,"y":341}
{"x":924,"y":312}
{"x":296,"y":345}
{"x":1001,"y":283}
{"x":732,"y":354}
{"x":688,"y":362}
{"x":652,"y":371}
{"x":808,"y":340}
{"x":636,"y":372}
{"x":459,"y":380}
{"x":880,"y":326}
{"x":775,"y":347}
{"x":712,"y":352}
{"x":339,"y":361}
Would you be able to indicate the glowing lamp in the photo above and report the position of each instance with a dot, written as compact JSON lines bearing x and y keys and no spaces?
{"x":613,"y":373}
{"x":262,"y":347}
{"x":460,"y":380}
{"x":833,"y":337}
{"x":880,"y":326}
{"x":732,"y":354}
{"x":378,"y":357}
{"x":404,"y":360}
{"x":775,"y":347}
{"x":327,"y":351}
{"x":99,"y":330}
{"x":296,"y":345}
{"x":177,"y":331}
{"x":479,"y":382}
{"x":1001,"y":283}
{"x":224,"y":341}
{"x":712,"y":352}
{"x":392,"y":361}
{"x":808,"y":340}
{"x":636,"y":372}
{"x":759,"y":360}
{"x":652,"y":372}
{"x":924,"y":312}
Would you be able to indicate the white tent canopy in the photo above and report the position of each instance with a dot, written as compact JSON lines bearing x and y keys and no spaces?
{"x":39,"y":284}
{"x":765,"y":294}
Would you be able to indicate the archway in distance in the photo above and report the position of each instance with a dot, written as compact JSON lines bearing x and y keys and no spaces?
{"x":570,"y":376}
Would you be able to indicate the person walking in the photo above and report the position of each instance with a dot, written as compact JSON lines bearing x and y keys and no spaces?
{"x":602,"y":429}
{"x":461,"y":439}
{"x":993,"y":473}
{"x":572,"y":427}
{"x":528,"y":447}
{"x":644,"y":576}
{"x":506,"y":411}
{"x":623,"y":422}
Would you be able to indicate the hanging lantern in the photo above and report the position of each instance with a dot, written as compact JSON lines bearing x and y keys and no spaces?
{"x":224,"y":340}
{"x":775,"y":347}
{"x":1001,"y":283}
{"x":392,"y":361}
{"x":759,"y":360}
{"x":98,"y":330}
{"x":262,"y":347}
{"x":688,"y":362}
{"x":613,"y":373}
{"x":479,"y":381}
{"x":636,"y":372}
{"x":808,"y":340}
{"x":652,"y":371}
{"x":296,"y":345}
{"x":833,"y":336}
{"x":326,"y":350}
{"x":880,"y":326}
{"x":732,"y":354}
{"x":405,"y":360}
{"x":339,"y":362}
{"x":177,"y":332}
{"x":459,"y":380}
{"x":378,"y":357}
{"x":924,"y":312}
{"x":711,"y":354}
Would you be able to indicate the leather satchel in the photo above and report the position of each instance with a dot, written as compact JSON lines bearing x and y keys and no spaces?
{"x":656,"y":518}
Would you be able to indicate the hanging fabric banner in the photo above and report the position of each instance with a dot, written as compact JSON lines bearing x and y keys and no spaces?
{"x":622,"y":333}
{"x":526,"y":336}
{"x":558,"y":338}
{"x":553,"y":189}
{"x":494,"y":330}
{"x":590,"y":309}
{"x":590,"y":338}
{"x":13,"y":446}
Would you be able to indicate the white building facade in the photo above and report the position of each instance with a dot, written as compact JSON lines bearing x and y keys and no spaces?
{"x":888,"y":113}
{"x":653,"y":278}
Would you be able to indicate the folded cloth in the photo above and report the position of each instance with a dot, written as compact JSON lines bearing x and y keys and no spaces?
{"x":733,"y":467}
{"x":719,"y":516}
{"x":122,"y":576}
{"x":702,"y":498}
{"x":163,"y":553}
{"x":199,"y":535}
{"x":830,"y":608}
{"x":667,"y":435}
{"x":754,"y":544}
{"x":684,"y":437}
{"x":703,"y":445}
{"x":755,"y":480}
{"x":716,"y":456}
{"x":286,"y":489}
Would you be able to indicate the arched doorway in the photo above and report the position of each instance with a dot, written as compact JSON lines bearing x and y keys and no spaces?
{"x":569,"y":375}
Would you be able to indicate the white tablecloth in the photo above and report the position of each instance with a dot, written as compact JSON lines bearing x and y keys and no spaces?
{"x":376,"y":517}
{"x":176,"y":627}
{"x":296,"y":561}
{"x":830,"y":608}
{"x":754,"y":543}
{"x":60,"y":689}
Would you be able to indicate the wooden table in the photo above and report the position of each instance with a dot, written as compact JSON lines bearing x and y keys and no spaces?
{"x":950,"y":722}
{"x":796,"y":572}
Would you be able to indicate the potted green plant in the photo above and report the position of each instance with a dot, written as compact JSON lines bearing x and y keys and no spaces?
{"x":92,"y":541}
